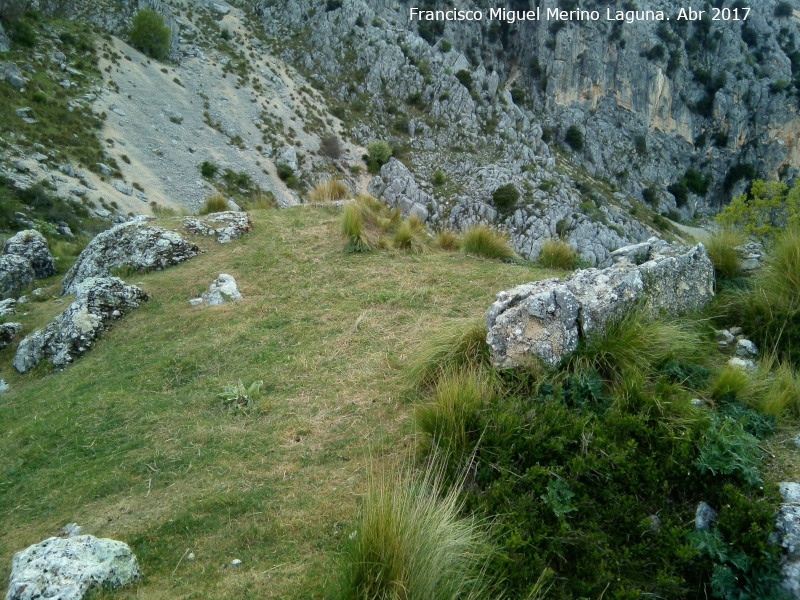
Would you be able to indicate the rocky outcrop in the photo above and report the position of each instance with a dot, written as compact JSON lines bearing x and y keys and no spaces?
{"x":787,"y":528}
{"x":397,"y":187}
{"x":32,"y":245}
{"x":225,"y":226}
{"x":67,"y":568}
{"x":132,"y":245}
{"x":7,"y":307}
{"x":16,"y":274}
{"x":223,"y":289}
{"x":545,"y":319}
{"x":99,"y":302}
{"x":8,"y":331}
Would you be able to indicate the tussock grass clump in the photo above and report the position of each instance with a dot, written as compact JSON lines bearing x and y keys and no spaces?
{"x":412,"y":543}
{"x":261,"y":200}
{"x":773,"y":390}
{"x":557,"y":254}
{"x":721,"y":249}
{"x":482,"y":240}
{"x":635,"y":346}
{"x":450,"y":420}
{"x":214,"y":203}
{"x":456,"y":345}
{"x":770,"y":306}
{"x":411,"y":234}
{"x":448,"y":240}
{"x":330,"y":190}
{"x":358,"y":239}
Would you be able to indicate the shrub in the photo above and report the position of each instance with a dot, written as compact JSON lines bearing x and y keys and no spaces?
{"x":482,"y":240}
{"x":214,"y":203}
{"x":285,"y":172}
{"x":150,"y":34}
{"x":448,"y":240}
{"x":680,"y":192}
{"x":331,"y":146}
{"x":650,"y":196}
{"x":378,"y":154}
{"x":439,"y":178}
{"x":574,"y":138}
{"x":783,"y":9}
{"x":557,"y":254}
{"x":505,"y":197}
{"x":771,"y":208}
{"x":411,"y":543}
{"x":208,"y":169}
{"x":329,"y":190}
{"x":465,"y":78}
{"x":730,"y":450}
{"x":450,"y":420}
{"x":722,"y":252}
{"x":518,"y":96}
{"x":446,"y":46}
{"x":640,"y":144}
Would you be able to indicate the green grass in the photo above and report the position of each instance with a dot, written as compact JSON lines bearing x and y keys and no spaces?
{"x":482,"y":240}
{"x":557,"y":254}
{"x":132,"y":442}
{"x":411,"y":542}
{"x":722,"y":252}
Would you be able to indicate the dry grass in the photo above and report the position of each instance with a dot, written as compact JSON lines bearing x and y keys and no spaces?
{"x":557,"y":254}
{"x":215,"y":203}
{"x":131,"y":441}
{"x":329,"y":190}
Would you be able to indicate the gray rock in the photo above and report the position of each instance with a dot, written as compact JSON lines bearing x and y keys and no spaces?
{"x":746,"y":349}
{"x":99,"y":302}
{"x":21,"y":167}
{"x":397,"y":187}
{"x":131,"y":244}
{"x":223,"y":289}
{"x":746,"y":364}
{"x":220,"y":9}
{"x":25,"y":112}
{"x":117,"y":110}
{"x":288,"y":156}
{"x":787,"y":527}
{"x":8,"y":331}
{"x":123,"y":188}
{"x":725,"y":338}
{"x":32,"y":245}
{"x":5,"y":45}
{"x":70,"y":530}
{"x":545,"y":319}
{"x":67,"y":569}
{"x":735,"y":331}
{"x":13,"y":75}
{"x":16,"y":273}
{"x":704,"y":517}
{"x":226,"y":226}
{"x":195,"y":301}
{"x":4,"y":387}
{"x":7,"y":307}
{"x":105,"y":169}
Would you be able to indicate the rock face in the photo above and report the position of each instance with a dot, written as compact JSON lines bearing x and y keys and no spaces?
{"x":545,"y":319}
{"x":787,"y":527}
{"x":32,"y":245}
{"x":98,"y":303}
{"x":131,"y":244}
{"x":226,"y":226}
{"x":397,"y":187}
{"x":65,"y":569}
{"x":16,"y":274}
{"x":222,"y":290}
{"x":8,"y":331}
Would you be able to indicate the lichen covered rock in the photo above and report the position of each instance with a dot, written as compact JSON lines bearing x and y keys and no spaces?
{"x":16,"y":274}
{"x":99,"y":302}
{"x":32,"y":245}
{"x":225,"y":226}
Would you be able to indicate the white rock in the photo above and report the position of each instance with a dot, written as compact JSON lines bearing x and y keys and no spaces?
{"x":222,"y":290}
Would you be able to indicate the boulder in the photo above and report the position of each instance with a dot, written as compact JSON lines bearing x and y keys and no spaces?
{"x":16,"y":274}
{"x":223,"y":289}
{"x":32,"y":245}
{"x":5,"y":44}
{"x":226,"y":226}
{"x":67,"y":568}
{"x":8,"y":331}
{"x":13,"y":75}
{"x":98,"y":303}
{"x":132,"y":245}
{"x":7,"y":307}
{"x":397,"y":187}
{"x":545,"y":319}
{"x":787,"y":528}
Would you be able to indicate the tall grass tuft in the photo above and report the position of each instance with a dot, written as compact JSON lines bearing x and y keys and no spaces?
{"x":451,"y":418}
{"x":721,"y":249}
{"x":448,"y":240}
{"x":461,"y":343}
{"x":482,"y":240}
{"x":354,"y":230}
{"x":557,"y":254}
{"x":329,"y":190}
{"x":635,"y":346}
{"x":410,"y":543}
{"x":411,"y":234}
{"x":214,"y":203}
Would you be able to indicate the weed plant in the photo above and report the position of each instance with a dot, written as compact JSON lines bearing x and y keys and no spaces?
{"x":482,"y":240}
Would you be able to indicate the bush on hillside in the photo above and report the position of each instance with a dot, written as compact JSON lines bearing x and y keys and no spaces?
{"x":378,"y":154}
{"x":770,"y":208}
{"x":574,"y":138}
{"x":150,"y":34}
{"x":505,"y":197}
